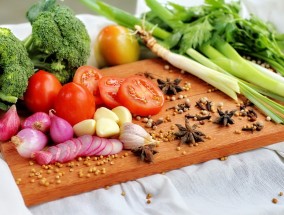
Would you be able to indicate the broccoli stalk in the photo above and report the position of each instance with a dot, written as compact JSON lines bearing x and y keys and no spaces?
{"x":15,"y":68}
{"x":59,"y":42}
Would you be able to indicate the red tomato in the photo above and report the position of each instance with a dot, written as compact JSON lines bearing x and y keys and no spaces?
{"x":41,"y":92}
{"x":74,"y":103}
{"x":89,"y":77}
{"x":116,"y":45}
{"x":108,"y":87}
{"x":141,"y":96}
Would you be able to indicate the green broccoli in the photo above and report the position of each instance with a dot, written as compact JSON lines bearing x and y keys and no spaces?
{"x":59,"y":42}
{"x":15,"y":68}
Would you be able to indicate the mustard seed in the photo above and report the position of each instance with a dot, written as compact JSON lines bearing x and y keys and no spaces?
{"x":238,"y":131}
{"x":274,"y":200}
{"x":148,"y":196}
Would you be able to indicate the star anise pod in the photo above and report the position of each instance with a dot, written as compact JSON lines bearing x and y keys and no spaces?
{"x":189,"y":134}
{"x":225,"y":118}
{"x":146,"y":152}
{"x":170,"y":87}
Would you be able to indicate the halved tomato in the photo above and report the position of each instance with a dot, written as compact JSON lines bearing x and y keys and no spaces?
{"x":108,"y":87}
{"x":89,"y":77}
{"x":141,"y":96}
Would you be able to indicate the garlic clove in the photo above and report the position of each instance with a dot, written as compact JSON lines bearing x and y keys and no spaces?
{"x":134,"y":129}
{"x":124,"y":115}
{"x":107,"y":127}
{"x":103,"y":112}
{"x":133,"y":135}
{"x":87,"y":126}
{"x":131,"y":141}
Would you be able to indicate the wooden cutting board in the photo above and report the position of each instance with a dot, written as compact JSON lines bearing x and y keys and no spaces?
{"x":42,"y":184}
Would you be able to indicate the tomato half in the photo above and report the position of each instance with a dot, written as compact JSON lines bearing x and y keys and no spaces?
{"x":74,"y":103}
{"x":141,"y":96}
{"x":41,"y":92}
{"x":89,"y":77}
{"x":108,"y":87}
{"x":116,"y":45}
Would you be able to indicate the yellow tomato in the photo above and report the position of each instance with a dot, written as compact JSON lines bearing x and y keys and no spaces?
{"x":116,"y":45}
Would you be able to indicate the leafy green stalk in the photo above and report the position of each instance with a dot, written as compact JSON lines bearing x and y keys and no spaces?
{"x":197,"y":33}
{"x":229,"y":60}
{"x":123,"y":18}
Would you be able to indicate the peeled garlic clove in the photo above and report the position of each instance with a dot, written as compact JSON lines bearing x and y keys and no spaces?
{"x":106,"y":127}
{"x":124,"y":115}
{"x":103,"y":112}
{"x":87,"y":126}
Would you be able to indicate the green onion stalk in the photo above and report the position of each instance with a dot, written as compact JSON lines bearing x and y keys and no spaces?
{"x":217,"y":55}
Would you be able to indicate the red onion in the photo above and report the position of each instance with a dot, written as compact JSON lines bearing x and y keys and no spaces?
{"x":39,"y":121}
{"x":9,"y":124}
{"x":29,"y":141}
{"x":60,"y":129}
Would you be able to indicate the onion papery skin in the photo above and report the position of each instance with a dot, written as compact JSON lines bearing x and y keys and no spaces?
{"x":39,"y":121}
{"x":9,"y":124}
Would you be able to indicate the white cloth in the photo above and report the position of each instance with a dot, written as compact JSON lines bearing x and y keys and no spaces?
{"x":11,"y":201}
{"x":245,"y":184}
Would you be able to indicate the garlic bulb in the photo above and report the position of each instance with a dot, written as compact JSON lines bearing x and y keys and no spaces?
{"x":133,"y":136}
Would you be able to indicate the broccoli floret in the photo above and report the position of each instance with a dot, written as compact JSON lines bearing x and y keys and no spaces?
{"x":59,"y":42}
{"x":15,"y":68}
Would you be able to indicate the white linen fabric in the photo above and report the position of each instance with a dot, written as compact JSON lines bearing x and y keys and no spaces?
{"x":245,"y":184}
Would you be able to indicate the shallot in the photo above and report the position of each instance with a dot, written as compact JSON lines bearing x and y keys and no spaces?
{"x":28,"y":141}
{"x":9,"y":124}
{"x":60,"y":129}
{"x":39,"y":121}
{"x":85,"y":145}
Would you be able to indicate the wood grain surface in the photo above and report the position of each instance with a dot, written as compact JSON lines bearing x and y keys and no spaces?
{"x":42,"y":184}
